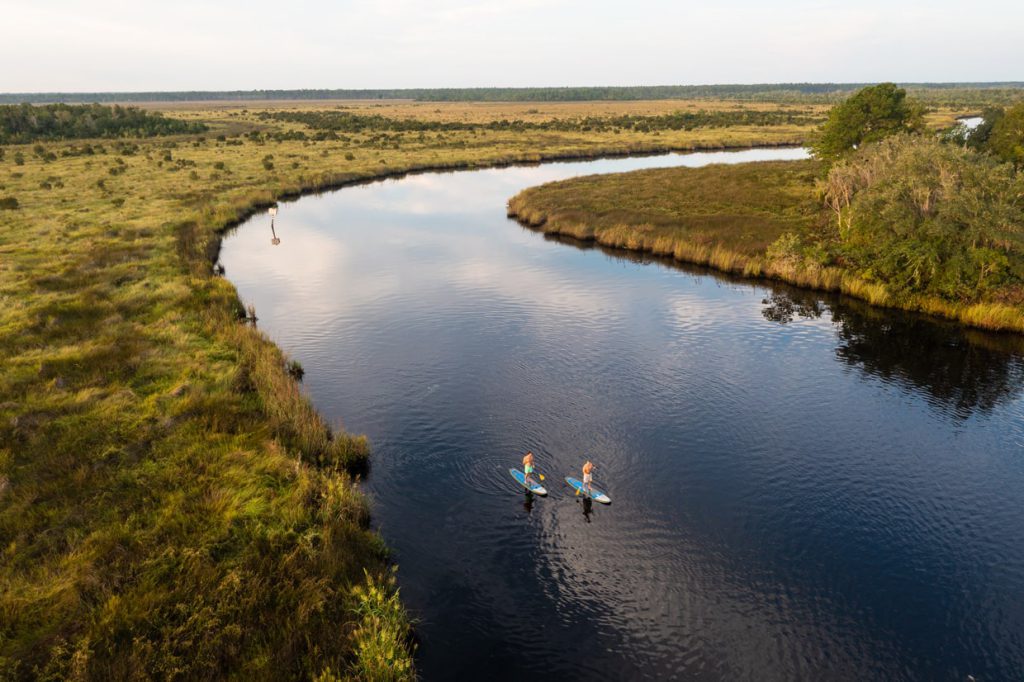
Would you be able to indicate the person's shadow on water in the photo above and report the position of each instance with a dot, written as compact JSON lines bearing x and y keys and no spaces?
{"x":588,"y":508}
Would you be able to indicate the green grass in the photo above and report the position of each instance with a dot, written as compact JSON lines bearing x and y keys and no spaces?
{"x":171,"y":505}
{"x":735,"y":218}
{"x":740,"y":209}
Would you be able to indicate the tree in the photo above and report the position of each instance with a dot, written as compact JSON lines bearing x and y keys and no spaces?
{"x":869,"y":115}
{"x":1006,"y":141}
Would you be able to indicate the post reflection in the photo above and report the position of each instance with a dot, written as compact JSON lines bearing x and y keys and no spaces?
{"x":275,"y":240}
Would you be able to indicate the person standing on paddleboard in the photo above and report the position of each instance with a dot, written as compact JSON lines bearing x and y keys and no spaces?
{"x":588,"y":476}
{"x":528,"y":468}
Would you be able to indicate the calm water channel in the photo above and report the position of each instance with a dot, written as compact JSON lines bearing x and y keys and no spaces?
{"x":804,"y":487}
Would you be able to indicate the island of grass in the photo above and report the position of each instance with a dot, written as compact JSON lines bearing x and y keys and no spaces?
{"x":723,"y":215}
{"x":907,"y":221}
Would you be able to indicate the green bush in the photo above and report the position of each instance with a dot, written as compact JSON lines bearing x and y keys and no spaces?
{"x":924,"y":217}
{"x":23,"y":123}
{"x":8,"y":203}
{"x":1006,"y":139}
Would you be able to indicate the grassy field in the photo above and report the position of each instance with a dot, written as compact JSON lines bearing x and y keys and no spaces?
{"x":730,"y":217}
{"x":484,"y":112}
{"x":170,"y":504}
{"x":720,"y":215}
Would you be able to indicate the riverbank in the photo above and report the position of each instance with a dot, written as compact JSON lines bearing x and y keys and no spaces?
{"x":171,"y":501}
{"x":726,"y":217}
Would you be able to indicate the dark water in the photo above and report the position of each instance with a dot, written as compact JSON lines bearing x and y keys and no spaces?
{"x":804,"y":488}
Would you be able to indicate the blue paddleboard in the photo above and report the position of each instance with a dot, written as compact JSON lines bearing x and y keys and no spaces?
{"x":596,"y":494}
{"x":535,"y":488}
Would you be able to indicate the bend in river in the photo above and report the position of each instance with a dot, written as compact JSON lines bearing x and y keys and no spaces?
{"x":804,"y":486}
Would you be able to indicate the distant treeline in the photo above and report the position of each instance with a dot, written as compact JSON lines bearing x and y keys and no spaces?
{"x":757,"y":92}
{"x":332,"y":122}
{"x":24,"y":123}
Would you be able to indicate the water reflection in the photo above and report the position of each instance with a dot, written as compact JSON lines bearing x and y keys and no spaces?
{"x":782,"y":308}
{"x":961,"y":370}
{"x":960,"y":374}
{"x":274,"y":238}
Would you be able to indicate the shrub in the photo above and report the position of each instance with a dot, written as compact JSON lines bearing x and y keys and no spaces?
{"x":1006,"y":139}
{"x":8,"y":204}
{"x":23,"y":123}
{"x":381,"y":637}
{"x":923,"y":217}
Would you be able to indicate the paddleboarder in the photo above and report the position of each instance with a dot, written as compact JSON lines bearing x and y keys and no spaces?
{"x":528,"y":468}
{"x":588,"y":477}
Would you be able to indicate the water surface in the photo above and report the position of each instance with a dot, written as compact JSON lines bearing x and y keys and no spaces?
{"x":804,"y":487}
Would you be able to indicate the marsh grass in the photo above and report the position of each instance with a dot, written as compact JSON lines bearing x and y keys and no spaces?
{"x":730,"y":217}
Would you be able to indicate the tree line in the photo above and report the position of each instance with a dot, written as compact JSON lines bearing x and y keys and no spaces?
{"x":761,"y":92}
{"x":23,"y":123}
{"x":349,"y":122}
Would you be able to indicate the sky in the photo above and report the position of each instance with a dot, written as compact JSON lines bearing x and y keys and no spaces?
{"x":122,"y":45}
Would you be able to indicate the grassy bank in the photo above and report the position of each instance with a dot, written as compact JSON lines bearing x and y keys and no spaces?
{"x":730,"y":217}
{"x":170,"y":503}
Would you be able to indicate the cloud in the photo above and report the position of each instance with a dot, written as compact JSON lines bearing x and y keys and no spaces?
{"x":106,"y":45}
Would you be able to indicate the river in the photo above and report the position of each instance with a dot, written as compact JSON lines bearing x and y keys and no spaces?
{"x":804,"y":487}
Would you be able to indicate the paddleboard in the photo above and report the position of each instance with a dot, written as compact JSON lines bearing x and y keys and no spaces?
{"x":596,"y":494}
{"x":535,"y":488}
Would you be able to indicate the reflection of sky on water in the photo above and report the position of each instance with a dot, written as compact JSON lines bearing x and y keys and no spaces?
{"x":795,"y":496}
